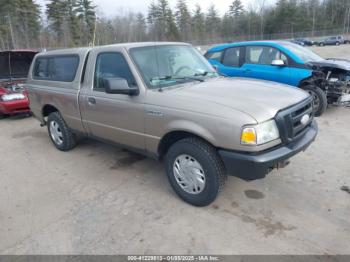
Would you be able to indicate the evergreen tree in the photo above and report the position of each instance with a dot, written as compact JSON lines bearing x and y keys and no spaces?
{"x":56,"y":13}
{"x":172,"y":32}
{"x":198,"y":24}
{"x":28,"y":21}
{"x":162,"y":21}
{"x":236,"y":8}
{"x":183,"y":19}
{"x":86,"y":13}
{"x":153,"y":20}
{"x":64,"y":22}
{"x":73,"y":23}
{"x":228,"y":23}
{"x":140,"y":27}
{"x":213,"y":22}
{"x":19,"y":23}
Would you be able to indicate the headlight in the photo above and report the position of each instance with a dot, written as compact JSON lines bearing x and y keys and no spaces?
{"x":260,"y":134}
{"x":10,"y":97}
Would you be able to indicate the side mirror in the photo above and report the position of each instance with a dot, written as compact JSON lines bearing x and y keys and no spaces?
{"x":278,"y":62}
{"x":119,"y":86}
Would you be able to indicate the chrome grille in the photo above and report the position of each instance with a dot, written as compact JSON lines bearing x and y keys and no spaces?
{"x":289,"y":120}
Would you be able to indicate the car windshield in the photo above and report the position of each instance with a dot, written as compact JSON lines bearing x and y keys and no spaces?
{"x":169,"y":65}
{"x":305,"y":54}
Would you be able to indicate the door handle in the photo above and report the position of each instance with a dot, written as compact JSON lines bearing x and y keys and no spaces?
{"x":247,"y":70}
{"x":92,"y":101}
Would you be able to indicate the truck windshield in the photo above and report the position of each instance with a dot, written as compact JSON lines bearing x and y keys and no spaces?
{"x":305,"y":54}
{"x":169,"y":65}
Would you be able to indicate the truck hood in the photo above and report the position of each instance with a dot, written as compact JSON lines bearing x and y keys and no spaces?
{"x":259,"y":99}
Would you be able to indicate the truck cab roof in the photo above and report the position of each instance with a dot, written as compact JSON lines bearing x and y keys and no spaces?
{"x":84,"y":50}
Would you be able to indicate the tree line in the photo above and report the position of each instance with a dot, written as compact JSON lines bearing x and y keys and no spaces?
{"x":70,"y":23}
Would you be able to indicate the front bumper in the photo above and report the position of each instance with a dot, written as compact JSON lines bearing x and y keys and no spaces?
{"x":344,"y":100}
{"x":14,"y":107}
{"x":251,"y":166}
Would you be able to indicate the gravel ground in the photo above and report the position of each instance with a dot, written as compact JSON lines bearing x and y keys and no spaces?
{"x":98,"y":199}
{"x":342,"y":51}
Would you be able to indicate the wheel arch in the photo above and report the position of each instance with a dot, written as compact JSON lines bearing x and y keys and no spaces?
{"x":317,"y":81}
{"x":46,"y":110}
{"x":304,"y":82}
{"x":172,"y":137}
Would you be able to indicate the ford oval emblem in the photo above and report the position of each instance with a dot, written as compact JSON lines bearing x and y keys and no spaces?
{"x":305,"y":119}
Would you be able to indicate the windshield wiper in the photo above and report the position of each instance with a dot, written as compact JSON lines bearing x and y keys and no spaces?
{"x":190,"y":78}
{"x":178,"y":78}
{"x":205,"y":73}
{"x":183,"y":78}
{"x":175,"y":78}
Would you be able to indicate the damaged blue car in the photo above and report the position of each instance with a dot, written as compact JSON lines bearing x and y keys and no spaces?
{"x":327,"y":80}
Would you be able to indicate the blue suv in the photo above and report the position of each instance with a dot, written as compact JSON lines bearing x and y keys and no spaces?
{"x":278,"y":61}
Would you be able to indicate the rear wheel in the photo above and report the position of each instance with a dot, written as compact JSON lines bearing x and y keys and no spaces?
{"x":321,"y":44}
{"x":59,"y":132}
{"x":337,"y":43}
{"x":195,"y":171}
{"x":320,"y":99}
{"x":2,"y":115}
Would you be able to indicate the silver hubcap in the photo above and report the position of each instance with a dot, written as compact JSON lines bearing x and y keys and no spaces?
{"x":56,"y":133}
{"x":189,"y":174}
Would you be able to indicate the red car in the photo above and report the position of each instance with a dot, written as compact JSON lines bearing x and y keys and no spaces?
{"x":14,"y":67}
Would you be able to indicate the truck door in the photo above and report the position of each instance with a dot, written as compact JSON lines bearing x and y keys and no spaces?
{"x":114,"y":117}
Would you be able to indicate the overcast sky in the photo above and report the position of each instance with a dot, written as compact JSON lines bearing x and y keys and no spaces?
{"x":111,"y":7}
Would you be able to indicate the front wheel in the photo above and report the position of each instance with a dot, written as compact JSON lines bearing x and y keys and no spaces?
{"x":320,"y":99}
{"x":195,"y":171}
{"x":59,"y":132}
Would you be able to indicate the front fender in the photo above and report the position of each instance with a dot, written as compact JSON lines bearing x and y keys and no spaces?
{"x":317,"y":79}
{"x":190,"y":127}
{"x":298,"y":75}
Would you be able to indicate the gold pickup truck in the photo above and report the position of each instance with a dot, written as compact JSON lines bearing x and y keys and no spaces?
{"x":166,"y":101}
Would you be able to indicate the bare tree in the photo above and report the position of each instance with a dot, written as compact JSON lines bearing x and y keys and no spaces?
{"x":260,"y":6}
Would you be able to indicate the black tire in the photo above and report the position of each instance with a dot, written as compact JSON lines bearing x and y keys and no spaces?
{"x":213,"y":170}
{"x":67,"y":137}
{"x":2,"y":115}
{"x":320,"y":99}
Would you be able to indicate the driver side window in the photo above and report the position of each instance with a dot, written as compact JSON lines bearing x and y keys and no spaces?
{"x":264,"y":55}
{"x":111,"y":65}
